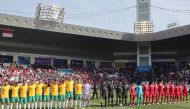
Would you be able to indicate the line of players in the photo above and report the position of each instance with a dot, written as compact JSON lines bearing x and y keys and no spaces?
{"x":65,"y":94}
{"x":154,"y":93}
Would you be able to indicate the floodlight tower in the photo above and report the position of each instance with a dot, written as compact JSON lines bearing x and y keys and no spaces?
{"x":52,"y":13}
{"x":143,"y":25}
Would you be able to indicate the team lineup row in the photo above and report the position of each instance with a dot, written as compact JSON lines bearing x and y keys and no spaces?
{"x":64,"y":93}
{"x":34,"y":93}
{"x":154,"y":93}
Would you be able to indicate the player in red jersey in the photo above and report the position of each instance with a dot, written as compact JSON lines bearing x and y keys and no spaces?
{"x":161,"y":92}
{"x":167,"y":92}
{"x":185,"y":92}
{"x":172,"y":92}
{"x":156,"y":92}
{"x":132,"y":94}
{"x":145,"y":93}
{"x":180,"y":92}
{"x":151,"y":95}
{"x":177,"y":93}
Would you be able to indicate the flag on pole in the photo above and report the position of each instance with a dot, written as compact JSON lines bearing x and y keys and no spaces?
{"x":7,"y":33}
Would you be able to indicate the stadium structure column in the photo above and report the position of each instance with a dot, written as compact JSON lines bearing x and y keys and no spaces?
{"x":32,"y":60}
{"x":144,"y":54}
{"x":15,"y":58}
{"x":144,"y":25}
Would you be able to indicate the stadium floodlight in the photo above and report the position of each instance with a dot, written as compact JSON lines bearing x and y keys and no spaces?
{"x":143,"y":27}
{"x":51,"y":13}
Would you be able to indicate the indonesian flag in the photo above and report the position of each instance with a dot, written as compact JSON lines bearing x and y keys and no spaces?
{"x":7,"y":33}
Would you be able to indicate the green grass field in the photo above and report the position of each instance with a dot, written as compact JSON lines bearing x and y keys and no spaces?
{"x":95,"y":104}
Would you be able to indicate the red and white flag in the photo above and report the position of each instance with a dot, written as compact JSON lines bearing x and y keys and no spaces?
{"x":7,"y":33}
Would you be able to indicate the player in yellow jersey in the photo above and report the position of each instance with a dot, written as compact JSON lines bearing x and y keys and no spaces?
{"x":54,"y":94}
{"x":38,"y":90}
{"x":46,"y":94}
{"x":14,"y":95}
{"x":69,"y":92}
{"x":31,"y":94}
{"x":62,"y":92}
{"x":5,"y":94}
{"x":23,"y":95}
{"x":78,"y":93}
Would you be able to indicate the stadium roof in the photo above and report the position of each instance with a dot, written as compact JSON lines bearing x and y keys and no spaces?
{"x":24,"y":22}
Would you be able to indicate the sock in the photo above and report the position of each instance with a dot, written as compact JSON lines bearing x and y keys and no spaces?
{"x":24,"y":106}
{"x":16,"y":105}
{"x":7,"y":106}
{"x":48,"y":104}
{"x":20,"y":106}
{"x":71,"y":103}
{"x":40,"y":105}
{"x":28,"y":105}
{"x":11,"y":105}
{"x":66,"y":104}
{"x":51,"y":104}
{"x":60,"y":104}
{"x":32,"y":105}
{"x":2,"y":106}
{"x":80,"y":103}
{"x":75,"y":103}
{"x":88,"y":103}
{"x":63,"y":103}
{"x":36,"y":105}
{"x":44,"y":105}
{"x":55,"y":103}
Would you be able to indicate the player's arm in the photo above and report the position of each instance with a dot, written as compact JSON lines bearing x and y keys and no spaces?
{"x":1,"y":91}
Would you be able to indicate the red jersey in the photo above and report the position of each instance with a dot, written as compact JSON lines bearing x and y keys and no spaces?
{"x":167,"y":89}
{"x":156,"y":88}
{"x":132,"y":90}
{"x":172,"y":89}
{"x":146,"y":89}
{"x":177,"y":91}
{"x":180,"y":90}
{"x":185,"y":89}
{"x":151,"y":89}
{"x":161,"y":88}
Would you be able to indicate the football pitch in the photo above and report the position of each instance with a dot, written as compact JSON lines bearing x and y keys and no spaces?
{"x":95,"y":104}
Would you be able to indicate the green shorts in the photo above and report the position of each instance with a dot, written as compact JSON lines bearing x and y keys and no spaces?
{"x":31,"y":99}
{"x":78,"y":96}
{"x":54,"y":97}
{"x":46,"y":98}
{"x":69,"y":95}
{"x":38,"y":97}
{"x":14,"y":99}
{"x":61,"y":97}
{"x":23,"y":100}
{"x":5,"y":100}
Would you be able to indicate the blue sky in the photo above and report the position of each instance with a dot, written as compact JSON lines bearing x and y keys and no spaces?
{"x":118,"y":21}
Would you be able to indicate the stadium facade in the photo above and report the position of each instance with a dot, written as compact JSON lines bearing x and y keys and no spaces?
{"x":34,"y":38}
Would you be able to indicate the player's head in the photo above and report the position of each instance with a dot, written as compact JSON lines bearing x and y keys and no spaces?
{"x":78,"y":81}
{"x":15,"y":83}
{"x":55,"y":81}
{"x":24,"y":82}
{"x":70,"y":79}
{"x":63,"y":81}
{"x":156,"y":82}
{"x":40,"y":81}
{"x":5,"y":82}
